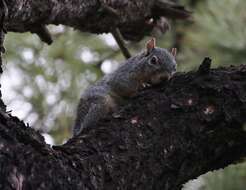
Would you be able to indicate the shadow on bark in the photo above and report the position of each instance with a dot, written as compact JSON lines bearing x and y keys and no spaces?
{"x":163,"y":137}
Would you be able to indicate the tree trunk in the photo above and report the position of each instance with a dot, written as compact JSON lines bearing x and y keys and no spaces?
{"x":164,"y":137}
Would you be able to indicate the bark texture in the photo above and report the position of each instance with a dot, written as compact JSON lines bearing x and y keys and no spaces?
{"x":135,"y":19}
{"x":165,"y":136}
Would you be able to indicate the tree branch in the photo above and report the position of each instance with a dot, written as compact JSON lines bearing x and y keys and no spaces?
{"x":132,"y":19}
{"x":120,"y":41}
{"x":43,"y":33}
{"x":162,"y":138}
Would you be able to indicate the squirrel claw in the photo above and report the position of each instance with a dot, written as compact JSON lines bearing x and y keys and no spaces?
{"x":116,"y":115}
{"x":145,"y":85}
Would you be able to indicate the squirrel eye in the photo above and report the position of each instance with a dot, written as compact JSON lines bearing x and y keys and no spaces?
{"x":154,"y":60}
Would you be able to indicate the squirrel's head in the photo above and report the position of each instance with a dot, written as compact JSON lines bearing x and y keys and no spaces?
{"x":160,"y":64}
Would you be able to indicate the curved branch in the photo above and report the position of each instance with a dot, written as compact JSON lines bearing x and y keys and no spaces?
{"x":91,"y":16}
{"x":165,"y":136}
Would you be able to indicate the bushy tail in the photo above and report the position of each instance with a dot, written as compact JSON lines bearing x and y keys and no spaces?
{"x":90,"y":112}
{"x":82,"y":111}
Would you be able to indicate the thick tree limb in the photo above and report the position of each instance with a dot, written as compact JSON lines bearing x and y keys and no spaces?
{"x":91,"y":16}
{"x":163,"y":137}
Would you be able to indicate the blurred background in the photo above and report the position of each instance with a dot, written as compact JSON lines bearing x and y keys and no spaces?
{"x":42,"y":84}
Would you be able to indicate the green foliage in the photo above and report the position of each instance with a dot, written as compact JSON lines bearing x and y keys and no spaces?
{"x":53,"y":77}
{"x":218,"y":31}
{"x":231,"y":178}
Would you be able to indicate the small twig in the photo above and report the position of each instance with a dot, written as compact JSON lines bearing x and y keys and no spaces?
{"x":120,"y":41}
{"x":116,"y":32}
{"x":43,"y":33}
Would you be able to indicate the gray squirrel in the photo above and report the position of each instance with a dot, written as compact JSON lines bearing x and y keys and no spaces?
{"x":151,"y":67}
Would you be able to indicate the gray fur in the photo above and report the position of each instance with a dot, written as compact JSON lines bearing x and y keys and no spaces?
{"x":108,"y":93}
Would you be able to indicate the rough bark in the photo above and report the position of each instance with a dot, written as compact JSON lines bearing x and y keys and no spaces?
{"x":133,"y":18}
{"x":165,"y":136}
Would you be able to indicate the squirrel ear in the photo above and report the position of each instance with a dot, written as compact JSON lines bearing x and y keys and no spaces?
{"x":150,"y":45}
{"x":174,"y":52}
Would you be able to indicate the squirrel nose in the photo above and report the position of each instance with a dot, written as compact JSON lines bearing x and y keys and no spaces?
{"x":174,"y":68}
